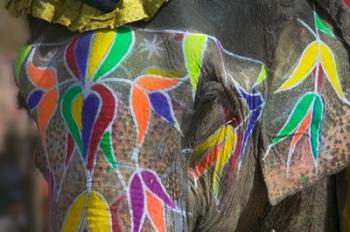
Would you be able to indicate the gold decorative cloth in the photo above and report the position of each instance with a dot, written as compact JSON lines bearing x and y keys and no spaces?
{"x":79,"y":16}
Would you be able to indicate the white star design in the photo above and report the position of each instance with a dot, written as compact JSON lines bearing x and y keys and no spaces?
{"x":151,"y":47}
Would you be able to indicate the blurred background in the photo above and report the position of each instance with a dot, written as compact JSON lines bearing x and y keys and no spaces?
{"x":23,"y":190}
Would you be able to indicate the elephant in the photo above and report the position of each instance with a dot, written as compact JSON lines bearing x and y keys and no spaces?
{"x":210,"y":116}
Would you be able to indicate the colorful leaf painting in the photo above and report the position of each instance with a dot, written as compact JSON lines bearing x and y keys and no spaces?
{"x":34,"y":98}
{"x":44,"y":97}
{"x":90,"y":207}
{"x":316,"y":55}
{"x":92,"y":56}
{"x":22,"y":55}
{"x":194,"y":46}
{"x":216,"y":150}
{"x":295,"y":118}
{"x":150,"y":92}
{"x":155,"y":210}
{"x":322,"y":27}
{"x":254,"y":102}
{"x":148,"y":198}
{"x":306,"y":114}
{"x":262,"y":76}
{"x":307,"y":62}
{"x":90,"y":107}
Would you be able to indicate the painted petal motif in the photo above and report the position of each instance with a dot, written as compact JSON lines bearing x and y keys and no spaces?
{"x":44,"y":78}
{"x":224,"y":157}
{"x":91,"y":205}
{"x":262,"y":76}
{"x":137,"y":202}
{"x":330,"y":69}
{"x":298,"y":135}
{"x":104,"y":120}
{"x":67,"y":112}
{"x":194,"y":46}
{"x":22,"y":55}
{"x":253,"y":100}
{"x":74,"y":217}
{"x":209,"y":143}
{"x":304,"y":67}
{"x":141,"y":112}
{"x":81,"y":53}
{"x":71,"y":62}
{"x":156,"y":212}
{"x":122,"y":44}
{"x":154,"y":184}
{"x":89,"y":116}
{"x":107,"y":148}
{"x":34,"y":98}
{"x":157,"y":83}
{"x":315,"y":127}
{"x":322,"y":27}
{"x":93,"y":55}
{"x":208,"y":160}
{"x":255,"y":104}
{"x":46,"y":110}
{"x":98,"y":217}
{"x":161,"y":104}
{"x":296,"y":117}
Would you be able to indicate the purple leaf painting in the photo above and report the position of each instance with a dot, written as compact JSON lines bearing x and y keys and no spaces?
{"x":154,"y":184}
{"x":137,"y":202}
{"x":162,"y":106}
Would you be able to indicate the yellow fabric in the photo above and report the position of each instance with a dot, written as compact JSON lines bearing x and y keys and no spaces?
{"x":77,"y":16}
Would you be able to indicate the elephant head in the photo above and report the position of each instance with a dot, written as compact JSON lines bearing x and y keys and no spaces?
{"x":175,"y":123}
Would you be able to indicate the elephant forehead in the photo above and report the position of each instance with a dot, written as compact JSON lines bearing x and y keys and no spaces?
{"x":116,"y":118}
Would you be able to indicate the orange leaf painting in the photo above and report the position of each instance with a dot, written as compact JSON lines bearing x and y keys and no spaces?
{"x":157,"y":83}
{"x":141,"y":112}
{"x":42,"y":77}
{"x":46,"y":110}
{"x":156,"y":213}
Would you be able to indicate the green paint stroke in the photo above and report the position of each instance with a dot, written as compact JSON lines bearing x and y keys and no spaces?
{"x":22,"y":55}
{"x":322,"y":27}
{"x":262,"y":76}
{"x":119,"y":50}
{"x":315,"y":127}
{"x":296,"y":117}
{"x":107,"y":148}
{"x":67,"y":101}
{"x":194,"y":47}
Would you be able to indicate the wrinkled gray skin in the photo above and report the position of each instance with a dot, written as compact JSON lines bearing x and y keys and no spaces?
{"x":250,"y":28}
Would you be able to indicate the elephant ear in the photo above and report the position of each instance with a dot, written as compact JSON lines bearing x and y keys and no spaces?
{"x":307,"y":116}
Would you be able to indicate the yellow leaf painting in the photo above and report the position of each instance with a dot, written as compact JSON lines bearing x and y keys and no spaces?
{"x":303,"y":69}
{"x":330,"y":68}
{"x":92,"y":207}
{"x":224,"y":157}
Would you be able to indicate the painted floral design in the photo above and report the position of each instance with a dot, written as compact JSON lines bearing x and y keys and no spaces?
{"x":44,"y":97}
{"x":149,"y":92}
{"x":89,"y":210}
{"x":148,"y":197}
{"x":307,"y":115}
{"x":89,"y":106}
